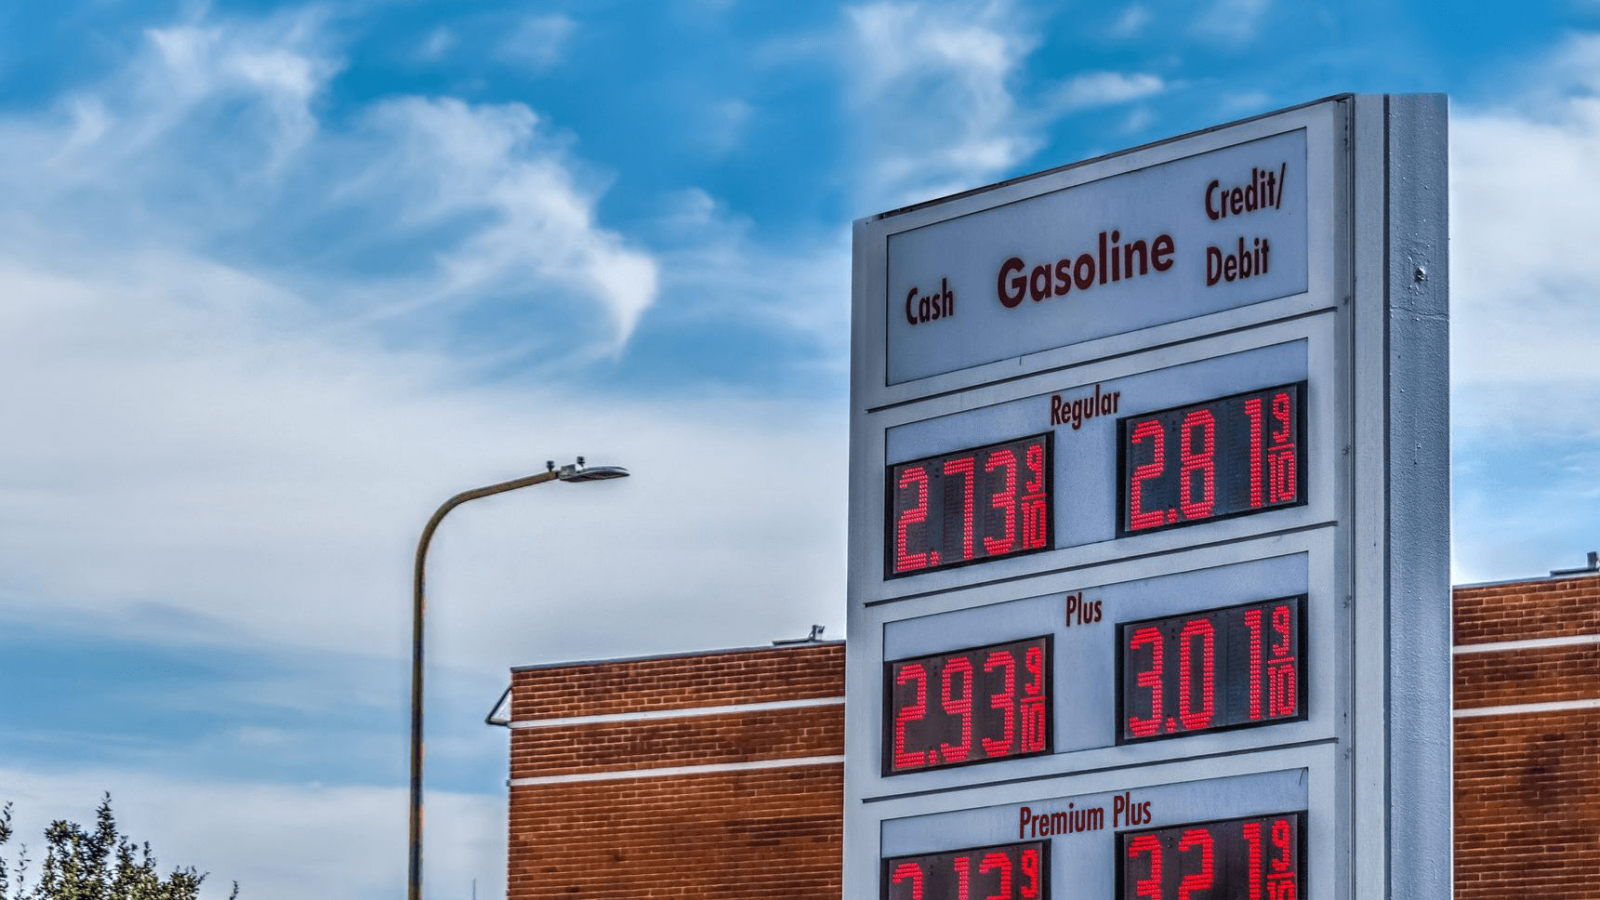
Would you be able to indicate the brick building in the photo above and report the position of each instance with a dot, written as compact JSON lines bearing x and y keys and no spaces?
{"x":720,"y":774}
{"x":714,"y":774}
{"x":1527,"y":738}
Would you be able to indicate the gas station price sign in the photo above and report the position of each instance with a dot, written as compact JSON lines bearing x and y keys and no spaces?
{"x":968,"y":507}
{"x":1226,"y":457}
{"x":970,"y":706}
{"x":1255,"y":858}
{"x":1004,"y":872}
{"x":1226,"y":668}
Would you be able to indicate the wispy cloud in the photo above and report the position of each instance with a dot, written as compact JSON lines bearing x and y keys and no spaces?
{"x":1524,"y":276}
{"x":1093,"y":89}
{"x":1131,"y":22}
{"x":1233,"y":20}
{"x":934,"y":94}
{"x":538,"y":41}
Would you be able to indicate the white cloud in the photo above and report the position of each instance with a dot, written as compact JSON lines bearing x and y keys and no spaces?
{"x":1093,"y":89}
{"x":1233,"y":20}
{"x":1523,"y":274}
{"x":1132,"y":21}
{"x":279,"y":841}
{"x":461,"y":160}
{"x":933,"y":95}
{"x":538,"y":42}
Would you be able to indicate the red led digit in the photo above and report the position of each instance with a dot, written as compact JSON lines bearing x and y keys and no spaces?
{"x":1138,"y":517}
{"x":1149,"y":678}
{"x":1004,"y":499}
{"x":1252,"y":838}
{"x":1148,"y":843}
{"x":964,"y":466}
{"x":1283,"y":678}
{"x":1035,"y":508}
{"x":1252,"y":621}
{"x":1030,"y":869}
{"x":1283,"y":412}
{"x":1202,"y":879}
{"x":907,"y":872}
{"x":1283,"y":841}
{"x":1197,"y":447}
{"x":963,"y":867}
{"x":1002,"y":701}
{"x":998,"y":862}
{"x":1280,"y":625}
{"x":903,"y":758}
{"x":958,"y":706}
{"x":1281,"y":460}
{"x":1033,"y":712}
{"x":1192,"y":718}
{"x":905,"y":560}
{"x":1252,"y":408}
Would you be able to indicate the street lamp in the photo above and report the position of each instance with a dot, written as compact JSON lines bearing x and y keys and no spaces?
{"x":573,"y":473}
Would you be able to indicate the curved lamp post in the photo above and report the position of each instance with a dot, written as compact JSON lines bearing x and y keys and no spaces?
{"x":573,"y":473}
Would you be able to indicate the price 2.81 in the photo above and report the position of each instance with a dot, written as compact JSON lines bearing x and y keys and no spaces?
{"x":1226,"y":457}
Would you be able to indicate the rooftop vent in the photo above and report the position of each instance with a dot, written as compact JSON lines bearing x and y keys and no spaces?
{"x":1593,"y":566}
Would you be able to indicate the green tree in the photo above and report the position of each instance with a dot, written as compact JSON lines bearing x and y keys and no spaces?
{"x":93,"y":865}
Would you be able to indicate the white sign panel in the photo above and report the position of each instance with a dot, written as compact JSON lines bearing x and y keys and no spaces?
{"x":1147,"y":247}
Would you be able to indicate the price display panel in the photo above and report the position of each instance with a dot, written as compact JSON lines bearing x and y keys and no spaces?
{"x":1254,"y":858}
{"x":1004,"y":872}
{"x":970,"y":706}
{"x":1235,"y":667}
{"x":968,"y":507}
{"x":1226,"y":457}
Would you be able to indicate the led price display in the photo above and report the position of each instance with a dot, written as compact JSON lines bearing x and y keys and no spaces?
{"x":968,"y":507}
{"x":1226,"y":668}
{"x":1256,"y":858}
{"x":1227,"y":457}
{"x":971,"y":706}
{"x":1006,"y":872}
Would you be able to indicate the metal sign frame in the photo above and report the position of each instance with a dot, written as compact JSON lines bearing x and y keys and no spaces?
{"x":1369,"y":335}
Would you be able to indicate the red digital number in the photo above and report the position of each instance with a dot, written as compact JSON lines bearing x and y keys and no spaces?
{"x":958,"y":706}
{"x":1033,"y":711}
{"x":963,"y":867}
{"x":1197,"y":424}
{"x":905,"y":560}
{"x":1195,"y":719}
{"x":1149,"y":678}
{"x":1150,"y":844}
{"x":998,"y":862}
{"x":1030,"y":869}
{"x":1002,"y":701}
{"x":1201,"y":880}
{"x":964,"y":467}
{"x":903,"y":758}
{"x":1004,"y":499}
{"x":1035,"y":504}
{"x":909,"y":871}
{"x":1139,"y":517}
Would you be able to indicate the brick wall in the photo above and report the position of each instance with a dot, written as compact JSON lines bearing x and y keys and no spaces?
{"x":1527,"y":780}
{"x":593,"y":816}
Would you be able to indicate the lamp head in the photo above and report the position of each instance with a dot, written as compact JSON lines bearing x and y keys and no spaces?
{"x":580,"y":472}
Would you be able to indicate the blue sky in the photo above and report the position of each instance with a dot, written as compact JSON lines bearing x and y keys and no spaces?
{"x":276,"y":279}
